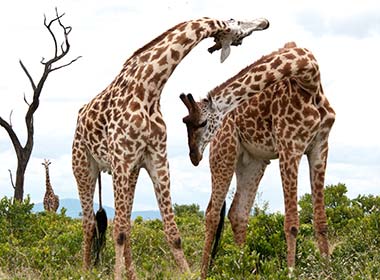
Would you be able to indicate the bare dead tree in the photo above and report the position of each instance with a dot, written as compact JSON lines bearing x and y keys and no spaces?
{"x":23,"y":152}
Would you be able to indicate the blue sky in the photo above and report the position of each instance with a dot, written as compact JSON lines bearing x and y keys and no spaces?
{"x":344,"y":36}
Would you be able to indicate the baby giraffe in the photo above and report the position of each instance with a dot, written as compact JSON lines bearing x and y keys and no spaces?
{"x":286,"y":116}
{"x":51,"y":201}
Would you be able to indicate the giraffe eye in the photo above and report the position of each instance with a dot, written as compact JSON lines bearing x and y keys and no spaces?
{"x":202,"y":124}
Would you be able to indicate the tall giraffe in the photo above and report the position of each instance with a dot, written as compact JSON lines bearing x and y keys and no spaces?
{"x":51,"y":201}
{"x":122,"y":130}
{"x":286,"y":116}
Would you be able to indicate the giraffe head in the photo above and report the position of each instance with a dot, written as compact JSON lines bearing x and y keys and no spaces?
{"x":234,"y":33}
{"x":46,"y":163}
{"x":202,"y":123}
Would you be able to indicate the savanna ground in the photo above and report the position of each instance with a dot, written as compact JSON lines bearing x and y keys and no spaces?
{"x":48,"y":245}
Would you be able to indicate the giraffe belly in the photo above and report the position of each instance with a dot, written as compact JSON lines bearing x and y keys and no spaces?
{"x":260,"y":151}
{"x":103,"y":165}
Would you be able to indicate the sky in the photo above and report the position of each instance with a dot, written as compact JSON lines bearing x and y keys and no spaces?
{"x":343,"y":35}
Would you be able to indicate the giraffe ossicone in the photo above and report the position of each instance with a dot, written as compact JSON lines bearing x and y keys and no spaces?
{"x":284,"y":118}
{"x":122,"y":130}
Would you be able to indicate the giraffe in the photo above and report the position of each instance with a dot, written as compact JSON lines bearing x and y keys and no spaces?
{"x":122,"y":130}
{"x":51,"y":201}
{"x":274,"y":108}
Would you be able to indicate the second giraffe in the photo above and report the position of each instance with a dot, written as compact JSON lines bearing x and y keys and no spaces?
{"x":287,"y":116}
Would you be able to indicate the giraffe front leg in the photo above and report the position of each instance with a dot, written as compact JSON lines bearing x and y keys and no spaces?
{"x":248,"y":176}
{"x":158,"y":170}
{"x":289,"y":162}
{"x":317,"y":163}
{"x":212,"y":221}
{"x":223,"y":157}
{"x":124,"y":191}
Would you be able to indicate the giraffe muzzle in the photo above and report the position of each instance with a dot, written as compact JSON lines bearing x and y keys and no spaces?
{"x":195,"y":157}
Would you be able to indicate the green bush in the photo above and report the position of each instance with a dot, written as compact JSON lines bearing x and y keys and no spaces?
{"x":48,"y":245}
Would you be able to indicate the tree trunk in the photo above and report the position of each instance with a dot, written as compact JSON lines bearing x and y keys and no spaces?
{"x":19,"y":186}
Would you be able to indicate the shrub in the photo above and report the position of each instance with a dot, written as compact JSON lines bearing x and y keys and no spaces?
{"x":48,"y":245}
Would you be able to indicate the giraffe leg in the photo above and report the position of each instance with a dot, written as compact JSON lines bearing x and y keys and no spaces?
{"x":212,"y":220}
{"x":289,"y":163}
{"x":248,"y":176}
{"x":124,"y":191}
{"x":127,"y":248}
{"x":223,"y":154}
{"x":157,"y":167}
{"x":317,"y":163}
{"x":85,"y":172}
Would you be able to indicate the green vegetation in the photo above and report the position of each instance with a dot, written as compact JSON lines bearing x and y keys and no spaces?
{"x":48,"y":245}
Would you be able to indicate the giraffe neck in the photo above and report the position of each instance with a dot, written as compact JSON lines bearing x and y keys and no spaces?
{"x":148,"y":69}
{"x":296,"y":63}
{"x":48,"y":185}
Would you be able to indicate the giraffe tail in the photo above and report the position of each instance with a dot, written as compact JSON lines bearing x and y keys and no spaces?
{"x":218,"y":233}
{"x":101,"y":222}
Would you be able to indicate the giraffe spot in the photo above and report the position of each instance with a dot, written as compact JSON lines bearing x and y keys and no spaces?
{"x":175,"y":55}
{"x":248,"y":80}
{"x":286,"y":70}
{"x":134,"y":106}
{"x":301,"y":64}
{"x":260,"y":68}
{"x":121,"y":238}
{"x":163,"y":61}
{"x":184,"y":40}
{"x":159,"y":52}
{"x":177,"y":243}
{"x":258,"y":77}
{"x":289,"y":56}
{"x":276,"y":63}
{"x":89,"y":125}
{"x":269,"y":78}
{"x":293,"y":231}
{"x":296,"y":103}
{"x":148,"y":71}
{"x":145,"y":57}
{"x":255,"y":88}
{"x":299,"y":51}
{"x":156,"y":79}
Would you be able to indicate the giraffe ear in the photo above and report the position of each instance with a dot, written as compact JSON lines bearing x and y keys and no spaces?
{"x":226,"y":50}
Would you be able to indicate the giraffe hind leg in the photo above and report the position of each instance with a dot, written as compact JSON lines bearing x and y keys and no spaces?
{"x":85,"y":172}
{"x":289,"y":163}
{"x":124,"y":190}
{"x":317,"y":164}
{"x":248,"y":176}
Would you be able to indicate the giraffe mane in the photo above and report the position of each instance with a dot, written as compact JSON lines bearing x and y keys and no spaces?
{"x":263,"y":59}
{"x":155,"y":40}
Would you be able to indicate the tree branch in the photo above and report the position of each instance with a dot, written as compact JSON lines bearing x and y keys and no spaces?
{"x":10,"y":175}
{"x":10,"y":118}
{"x":67,"y":64}
{"x":26,"y":101}
{"x":28,"y":75}
{"x":15,"y":141}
